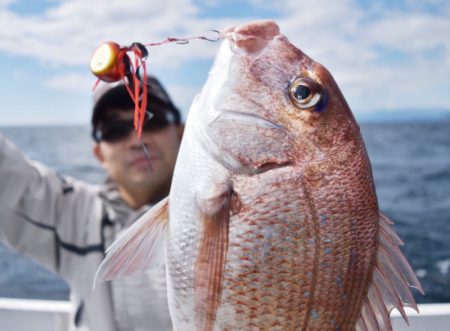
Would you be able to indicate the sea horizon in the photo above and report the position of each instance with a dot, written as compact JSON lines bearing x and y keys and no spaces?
{"x":374,"y":117}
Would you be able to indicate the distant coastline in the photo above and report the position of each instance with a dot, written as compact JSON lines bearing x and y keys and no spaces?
{"x":403,"y":116}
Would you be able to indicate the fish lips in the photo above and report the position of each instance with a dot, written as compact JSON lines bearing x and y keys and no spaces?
{"x":251,"y":39}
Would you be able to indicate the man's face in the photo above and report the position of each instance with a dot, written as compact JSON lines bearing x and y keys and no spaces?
{"x":125,"y":162}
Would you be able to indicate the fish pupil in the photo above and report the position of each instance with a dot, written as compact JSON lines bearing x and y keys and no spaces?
{"x":302,"y":92}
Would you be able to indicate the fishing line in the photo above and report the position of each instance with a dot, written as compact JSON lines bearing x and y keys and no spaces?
{"x":144,"y":148}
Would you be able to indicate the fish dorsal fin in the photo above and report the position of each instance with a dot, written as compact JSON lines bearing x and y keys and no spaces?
{"x":391,"y":282}
{"x":141,"y":247}
{"x":210,"y":264}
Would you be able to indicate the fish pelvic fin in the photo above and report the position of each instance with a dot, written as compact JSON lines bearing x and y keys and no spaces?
{"x":141,"y":247}
{"x":391,"y":282}
{"x":210,"y":264}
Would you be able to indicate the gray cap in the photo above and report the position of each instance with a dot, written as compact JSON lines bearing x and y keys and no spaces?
{"x":116,"y":95}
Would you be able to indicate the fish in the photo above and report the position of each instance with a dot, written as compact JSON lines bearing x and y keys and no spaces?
{"x":272,"y":221}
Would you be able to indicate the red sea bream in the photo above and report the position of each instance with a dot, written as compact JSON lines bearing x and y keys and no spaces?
{"x":272,"y":222}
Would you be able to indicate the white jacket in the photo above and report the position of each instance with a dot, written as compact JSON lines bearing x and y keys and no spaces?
{"x":65,"y":225}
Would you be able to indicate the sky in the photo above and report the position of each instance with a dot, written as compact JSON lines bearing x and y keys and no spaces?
{"x":389,"y":57}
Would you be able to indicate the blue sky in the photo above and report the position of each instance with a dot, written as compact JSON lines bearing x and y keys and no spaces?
{"x":388,"y":56}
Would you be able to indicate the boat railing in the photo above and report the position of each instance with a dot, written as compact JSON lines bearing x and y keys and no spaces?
{"x":30,"y":314}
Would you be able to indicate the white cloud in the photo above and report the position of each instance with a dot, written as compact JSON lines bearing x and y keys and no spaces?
{"x":21,"y":74}
{"x":183,"y":96}
{"x":70,"y":32}
{"x":356,"y":43}
{"x":5,"y":3}
{"x":381,"y":57}
{"x":413,"y":33}
{"x":71,"y":82}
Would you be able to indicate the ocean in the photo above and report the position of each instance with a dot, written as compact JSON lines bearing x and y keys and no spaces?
{"x":411,"y":167}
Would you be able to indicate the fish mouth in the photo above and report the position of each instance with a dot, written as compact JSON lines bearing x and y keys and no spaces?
{"x":252,"y":38}
{"x":247,"y":118}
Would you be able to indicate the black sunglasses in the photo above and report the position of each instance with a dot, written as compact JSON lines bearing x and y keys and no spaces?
{"x":114,"y":130}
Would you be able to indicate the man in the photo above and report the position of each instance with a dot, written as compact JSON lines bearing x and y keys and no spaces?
{"x":66,"y":225}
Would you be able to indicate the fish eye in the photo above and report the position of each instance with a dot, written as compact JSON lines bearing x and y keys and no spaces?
{"x":305,"y":93}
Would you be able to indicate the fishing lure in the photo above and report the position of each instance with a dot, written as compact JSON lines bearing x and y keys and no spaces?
{"x":112,"y":62}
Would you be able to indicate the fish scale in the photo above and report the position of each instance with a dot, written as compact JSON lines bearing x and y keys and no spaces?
{"x":277,"y":265}
{"x":301,"y":242}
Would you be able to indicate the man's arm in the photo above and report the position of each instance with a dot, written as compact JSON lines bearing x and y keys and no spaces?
{"x":41,"y":211}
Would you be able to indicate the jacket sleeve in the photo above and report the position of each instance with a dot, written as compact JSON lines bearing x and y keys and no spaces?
{"x":40,"y":211}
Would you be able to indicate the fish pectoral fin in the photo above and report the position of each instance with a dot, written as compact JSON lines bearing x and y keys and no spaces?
{"x":391,"y":280}
{"x":141,"y":247}
{"x":210,"y":263}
